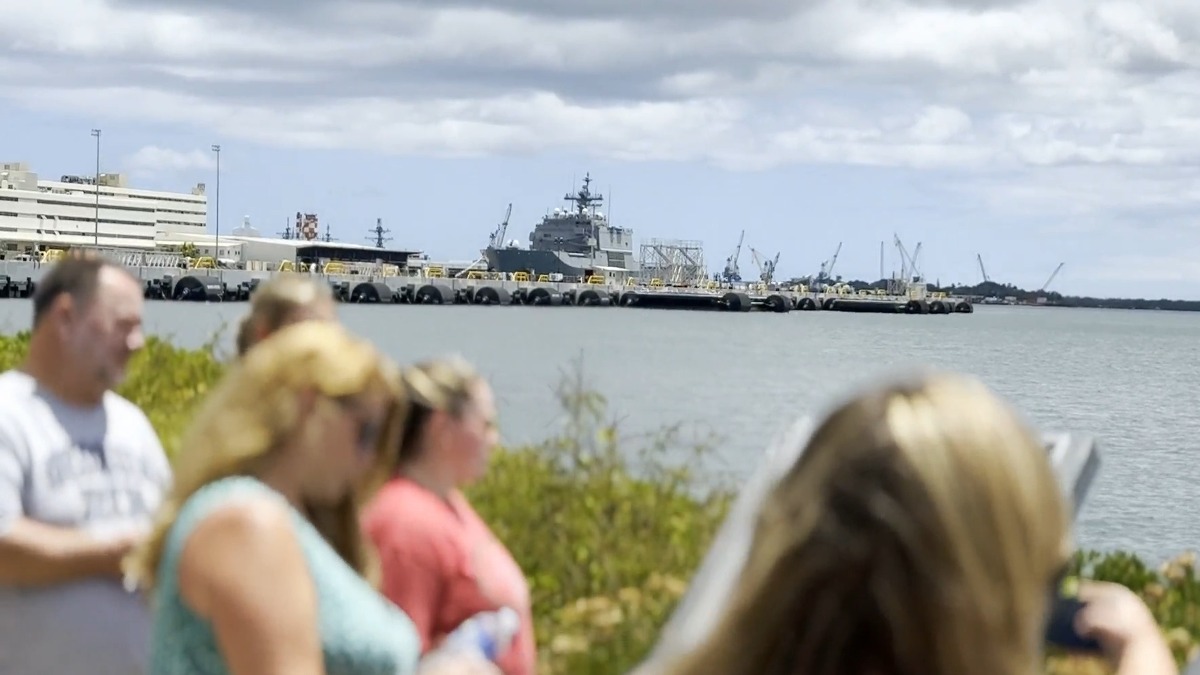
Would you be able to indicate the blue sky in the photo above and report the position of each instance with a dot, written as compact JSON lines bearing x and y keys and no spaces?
{"x":1032,"y":132}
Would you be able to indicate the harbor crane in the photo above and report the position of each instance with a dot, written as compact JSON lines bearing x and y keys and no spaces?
{"x":496,"y":240}
{"x":825,"y":275}
{"x":909,"y":272}
{"x":731,"y":274}
{"x":766,"y":268}
{"x":913,"y":268}
{"x":908,"y":261}
{"x":1052,"y":275}
{"x":982,"y":269}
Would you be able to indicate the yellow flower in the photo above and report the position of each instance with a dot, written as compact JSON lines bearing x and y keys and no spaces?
{"x":569,"y":644}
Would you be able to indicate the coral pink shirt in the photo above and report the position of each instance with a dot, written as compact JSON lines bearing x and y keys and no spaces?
{"x":442,"y":565}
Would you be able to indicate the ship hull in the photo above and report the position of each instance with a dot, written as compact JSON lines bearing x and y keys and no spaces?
{"x":512,"y":260}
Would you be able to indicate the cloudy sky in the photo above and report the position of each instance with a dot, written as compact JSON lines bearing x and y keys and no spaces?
{"x":1032,"y":132}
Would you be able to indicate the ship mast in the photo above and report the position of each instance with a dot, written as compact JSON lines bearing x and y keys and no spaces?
{"x":584,"y":199}
{"x":585,"y":203}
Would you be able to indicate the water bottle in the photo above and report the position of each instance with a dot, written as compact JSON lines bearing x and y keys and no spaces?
{"x":487,"y":633}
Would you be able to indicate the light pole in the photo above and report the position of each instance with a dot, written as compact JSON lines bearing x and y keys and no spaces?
{"x":217,"y":240}
{"x":96,"y":224}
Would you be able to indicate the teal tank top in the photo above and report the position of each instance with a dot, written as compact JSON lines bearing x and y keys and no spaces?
{"x":362,"y":633}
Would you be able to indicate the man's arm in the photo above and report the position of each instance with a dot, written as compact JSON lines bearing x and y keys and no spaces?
{"x":36,"y":554}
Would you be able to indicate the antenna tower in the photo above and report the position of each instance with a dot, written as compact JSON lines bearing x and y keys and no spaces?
{"x":377,"y":234}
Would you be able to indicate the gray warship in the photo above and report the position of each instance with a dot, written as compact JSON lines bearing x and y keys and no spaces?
{"x":575,"y":242}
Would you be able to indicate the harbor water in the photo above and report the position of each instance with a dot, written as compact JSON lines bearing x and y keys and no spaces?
{"x":1127,"y":377}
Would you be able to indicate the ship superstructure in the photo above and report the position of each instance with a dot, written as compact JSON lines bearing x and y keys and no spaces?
{"x":575,"y":242}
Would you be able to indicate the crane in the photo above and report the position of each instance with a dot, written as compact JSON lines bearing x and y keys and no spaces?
{"x":496,"y":240}
{"x":766,"y":268}
{"x":825,"y":275}
{"x":982,"y":269}
{"x":1052,"y":275}
{"x":908,"y":261}
{"x":909,"y":273}
{"x":731,"y":273}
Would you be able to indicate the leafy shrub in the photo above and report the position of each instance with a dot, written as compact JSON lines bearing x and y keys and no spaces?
{"x":165,"y":381}
{"x":607,"y":532}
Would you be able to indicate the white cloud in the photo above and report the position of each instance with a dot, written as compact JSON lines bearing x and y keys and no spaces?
{"x":153,"y":159}
{"x":939,"y":124}
{"x":1033,"y":98}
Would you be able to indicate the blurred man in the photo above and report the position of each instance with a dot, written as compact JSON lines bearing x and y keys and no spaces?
{"x":81,"y":474}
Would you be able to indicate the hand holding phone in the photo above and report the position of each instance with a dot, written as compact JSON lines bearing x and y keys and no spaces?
{"x":1121,"y":623}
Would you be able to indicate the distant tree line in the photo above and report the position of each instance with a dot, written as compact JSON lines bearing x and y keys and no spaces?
{"x":991,"y":289}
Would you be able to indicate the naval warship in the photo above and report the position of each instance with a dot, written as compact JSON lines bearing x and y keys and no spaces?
{"x":575,"y":242}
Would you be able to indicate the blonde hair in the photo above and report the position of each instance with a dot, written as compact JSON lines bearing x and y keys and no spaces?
{"x":920,"y":531}
{"x":275,"y":301}
{"x":445,"y":384}
{"x":256,"y":407}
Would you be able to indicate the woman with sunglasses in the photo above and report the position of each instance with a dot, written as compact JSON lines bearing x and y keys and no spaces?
{"x":257,"y":565}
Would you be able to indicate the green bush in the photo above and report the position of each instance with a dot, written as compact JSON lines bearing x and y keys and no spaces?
{"x":164,"y":380}
{"x":606,"y":531}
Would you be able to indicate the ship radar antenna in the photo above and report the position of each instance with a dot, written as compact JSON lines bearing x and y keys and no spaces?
{"x":328,"y":234}
{"x":377,"y":234}
{"x":287,"y":229}
{"x":584,"y":199}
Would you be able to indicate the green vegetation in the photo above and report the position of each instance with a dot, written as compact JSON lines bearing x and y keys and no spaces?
{"x":606,"y":538}
{"x":992,"y":289}
{"x":165,"y":381}
{"x":606,"y":532}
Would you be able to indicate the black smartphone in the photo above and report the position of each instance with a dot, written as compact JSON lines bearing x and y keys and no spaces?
{"x":1060,"y":630}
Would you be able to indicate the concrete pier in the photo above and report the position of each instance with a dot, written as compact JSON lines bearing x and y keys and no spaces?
{"x":19,"y":278}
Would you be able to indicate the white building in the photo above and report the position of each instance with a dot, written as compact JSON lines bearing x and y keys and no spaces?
{"x":266,"y":254}
{"x":59,"y":213}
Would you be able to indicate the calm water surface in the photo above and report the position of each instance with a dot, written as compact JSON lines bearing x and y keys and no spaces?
{"x":1128,"y":377}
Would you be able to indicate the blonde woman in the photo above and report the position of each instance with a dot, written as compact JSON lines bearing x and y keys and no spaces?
{"x":920,"y":531}
{"x":256,"y":564}
{"x":440,"y":562}
{"x":283,"y":300}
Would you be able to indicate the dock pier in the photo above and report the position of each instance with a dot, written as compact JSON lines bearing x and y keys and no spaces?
{"x":19,"y":279}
